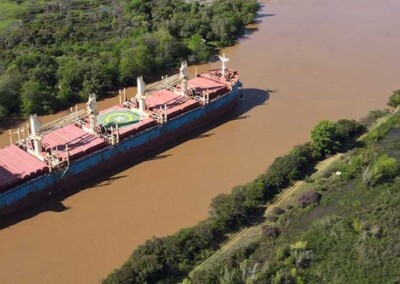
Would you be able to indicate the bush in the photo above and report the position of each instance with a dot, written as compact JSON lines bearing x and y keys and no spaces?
{"x":323,"y":138}
{"x":385,"y":168}
{"x":372,"y":117}
{"x":346,"y":130}
{"x":305,"y":150}
{"x":309,"y":198}
{"x":394,"y":100}
{"x":285,"y":170}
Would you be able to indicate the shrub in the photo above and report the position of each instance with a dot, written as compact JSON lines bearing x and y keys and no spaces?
{"x":305,"y":150}
{"x":285,"y":170}
{"x":346,"y":130}
{"x":372,"y":117}
{"x":308,"y":198}
{"x":323,"y":138}
{"x":385,"y":168}
{"x":394,"y":100}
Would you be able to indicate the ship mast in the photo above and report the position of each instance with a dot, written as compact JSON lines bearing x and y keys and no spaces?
{"x":184,"y":76}
{"x":35,"y":137}
{"x":224,"y":61}
{"x":141,"y":98}
{"x":92,"y":113}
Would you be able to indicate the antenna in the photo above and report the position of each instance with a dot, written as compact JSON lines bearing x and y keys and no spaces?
{"x":224,"y":61}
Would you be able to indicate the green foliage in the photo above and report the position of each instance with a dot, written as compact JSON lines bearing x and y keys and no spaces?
{"x":352,"y":238}
{"x":76,"y":48}
{"x":35,"y":98}
{"x":170,"y":258}
{"x":372,"y":117}
{"x":134,"y":62}
{"x":381,"y":130}
{"x":3,"y":113}
{"x":385,"y":168}
{"x":346,"y":130}
{"x":394,"y":99}
{"x":9,"y":89}
{"x":286,"y":169}
{"x":199,"y":49}
{"x":323,"y":138}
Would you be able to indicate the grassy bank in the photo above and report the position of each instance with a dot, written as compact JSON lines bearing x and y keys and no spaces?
{"x":349,"y":234}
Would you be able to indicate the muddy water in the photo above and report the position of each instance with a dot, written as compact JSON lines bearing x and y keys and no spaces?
{"x":320,"y":59}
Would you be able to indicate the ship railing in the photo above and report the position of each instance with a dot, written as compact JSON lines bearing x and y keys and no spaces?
{"x":161,"y":116}
{"x":204,"y":98}
{"x":55,"y":159}
{"x":110,"y":135}
{"x":80,"y":123}
{"x":22,"y":136}
{"x":164,"y":83}
{"x":63,"y":121}
{"x":129,"y":105}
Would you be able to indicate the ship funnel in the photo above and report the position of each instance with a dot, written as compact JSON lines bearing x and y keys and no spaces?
{"x":224,"y":61}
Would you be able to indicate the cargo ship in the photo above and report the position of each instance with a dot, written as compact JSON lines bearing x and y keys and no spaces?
{"x":43,"y":160}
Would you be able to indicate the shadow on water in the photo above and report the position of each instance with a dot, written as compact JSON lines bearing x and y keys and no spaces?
{"x":251,"y":99}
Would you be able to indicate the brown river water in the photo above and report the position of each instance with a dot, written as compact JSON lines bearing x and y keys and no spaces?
{"x":319,"y":59}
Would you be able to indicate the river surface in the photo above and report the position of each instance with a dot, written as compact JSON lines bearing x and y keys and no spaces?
{"x":319,"y":59}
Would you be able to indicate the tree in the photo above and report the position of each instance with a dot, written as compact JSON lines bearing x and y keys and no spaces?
{"x":10,"y":86}
{"x":3,"y":113}
{"x":199,"y":49}
{"x":285,"y":170}
{"x":135,"y":62}
{"x":36,"y":99}
{"x":323,"y":138}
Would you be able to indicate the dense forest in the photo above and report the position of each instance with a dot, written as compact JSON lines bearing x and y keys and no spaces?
{"x":63,"y":50}
{"x":355,"y":230}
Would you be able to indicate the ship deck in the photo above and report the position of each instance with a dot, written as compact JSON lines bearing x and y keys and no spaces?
{"x":16,"y":165}
{"x":79,"y":142}
{"x":175,"y":103}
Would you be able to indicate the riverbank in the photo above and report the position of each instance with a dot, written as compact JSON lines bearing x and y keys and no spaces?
{"x":297,"y":240}
{"x":287,"y":51}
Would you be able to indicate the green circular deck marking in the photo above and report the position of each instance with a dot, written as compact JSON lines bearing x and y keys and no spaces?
{"x":118,"y":117}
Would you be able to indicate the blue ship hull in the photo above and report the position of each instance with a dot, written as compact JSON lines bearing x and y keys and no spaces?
{"x":129,"y":148}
